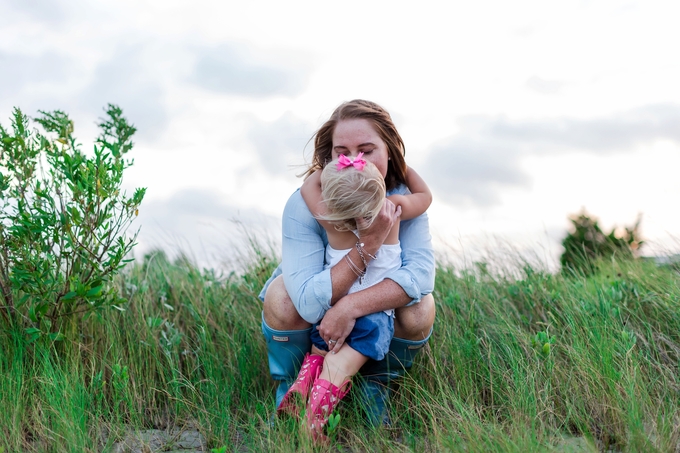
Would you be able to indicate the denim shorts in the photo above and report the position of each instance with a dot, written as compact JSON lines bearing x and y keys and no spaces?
{"x":371,"y":335}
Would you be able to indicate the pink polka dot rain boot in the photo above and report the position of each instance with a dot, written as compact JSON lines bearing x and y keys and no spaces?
{"x":323,"y":400}
{"x":309,"y":371}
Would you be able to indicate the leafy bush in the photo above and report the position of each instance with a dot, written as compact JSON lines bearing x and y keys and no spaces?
{"x":587,"y":242}
{"x":63,"y":220}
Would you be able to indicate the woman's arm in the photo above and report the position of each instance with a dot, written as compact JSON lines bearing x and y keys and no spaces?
{"x":338,"y":322}
{"x":303,"y":246}
{"x":418,"y":201}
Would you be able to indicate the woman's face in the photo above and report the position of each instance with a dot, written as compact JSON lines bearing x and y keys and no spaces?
{"x":355,"y":136}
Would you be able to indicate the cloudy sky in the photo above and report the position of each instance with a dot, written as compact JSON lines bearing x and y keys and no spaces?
{"x":516,"y":113}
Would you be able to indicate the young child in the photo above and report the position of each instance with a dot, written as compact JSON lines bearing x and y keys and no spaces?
{"x":344,"y":190}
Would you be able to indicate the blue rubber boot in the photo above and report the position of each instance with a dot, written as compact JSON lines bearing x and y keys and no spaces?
{"x":374,"y":394}
{"x":286,"y":350}
{"x":374,"y":388}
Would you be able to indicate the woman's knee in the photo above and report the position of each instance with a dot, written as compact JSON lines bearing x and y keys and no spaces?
{"x":415,"y":321}
{"x":278,"y":308}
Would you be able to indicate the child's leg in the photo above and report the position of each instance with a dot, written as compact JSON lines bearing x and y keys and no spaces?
{"x":317,"y":351}
{"x":341,"y":366}
{"x":370,"y":338}
{"x":333,"y":383}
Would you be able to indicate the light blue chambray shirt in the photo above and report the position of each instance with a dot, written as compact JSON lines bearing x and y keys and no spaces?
{"x":304,"y":244}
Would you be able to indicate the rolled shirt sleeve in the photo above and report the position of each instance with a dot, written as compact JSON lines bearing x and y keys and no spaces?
{"x":416,"y":275}
{"x":303,"y":257}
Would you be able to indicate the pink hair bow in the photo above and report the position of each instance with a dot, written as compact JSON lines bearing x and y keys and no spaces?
{"x":358,"y":162}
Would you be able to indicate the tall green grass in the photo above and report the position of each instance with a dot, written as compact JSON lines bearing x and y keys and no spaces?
{"x":188,"y":351}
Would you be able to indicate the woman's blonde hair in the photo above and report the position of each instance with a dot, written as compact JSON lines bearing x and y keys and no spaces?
{"x":350,"y":193}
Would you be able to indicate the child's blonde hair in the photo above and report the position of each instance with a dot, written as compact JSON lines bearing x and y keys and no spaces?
{"x":350,"y":193}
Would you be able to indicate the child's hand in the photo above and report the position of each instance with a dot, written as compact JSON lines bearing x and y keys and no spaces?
{"x":398,"y":200}
{"x":374,"y":236}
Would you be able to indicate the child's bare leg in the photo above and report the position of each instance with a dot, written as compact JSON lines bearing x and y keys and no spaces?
{"x":317,"y":351}
{"x":342,"y":365}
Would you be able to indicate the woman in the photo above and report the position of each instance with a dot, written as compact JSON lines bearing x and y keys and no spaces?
{"x":300,"y":291}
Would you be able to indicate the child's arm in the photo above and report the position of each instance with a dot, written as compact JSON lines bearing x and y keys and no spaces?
{"x":418,"y":201}
{"x":311,"y":193}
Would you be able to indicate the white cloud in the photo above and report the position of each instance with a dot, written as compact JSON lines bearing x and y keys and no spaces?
{"x":473,"y":173}
{"x":475,"y":166}
{"x":209,"y":85}
{"x":129,"y":80}
{"x":544,"y":86}
{"x":238,"y":70}
{"x":614,"y":133}
{"x":283,"y":143}
{"x":23,"y":74}
{"x":50,"y":11}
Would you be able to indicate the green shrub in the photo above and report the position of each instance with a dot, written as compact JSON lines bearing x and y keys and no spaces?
{"x":63,"y":220}
{"x":587,"y":243}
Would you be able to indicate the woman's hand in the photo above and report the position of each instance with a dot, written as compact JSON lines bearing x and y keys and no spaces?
{"x":335,"y":326}
{"x":373,"y":236}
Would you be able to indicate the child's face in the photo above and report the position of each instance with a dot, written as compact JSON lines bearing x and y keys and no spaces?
{"x":355,"y":136}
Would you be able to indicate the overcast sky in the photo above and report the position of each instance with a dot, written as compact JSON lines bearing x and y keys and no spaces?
{"x":516,"y":113}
